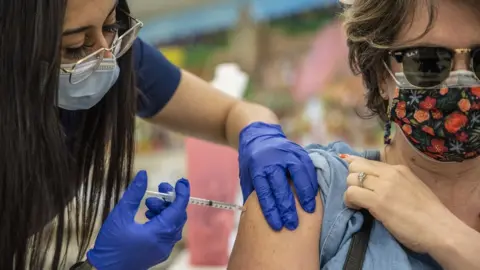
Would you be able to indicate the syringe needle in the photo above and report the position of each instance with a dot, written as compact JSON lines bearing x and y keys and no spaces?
{"x":170,"y":197}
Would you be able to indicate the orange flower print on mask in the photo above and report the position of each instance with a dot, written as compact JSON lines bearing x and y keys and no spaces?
{"x":455,"y":121}
{"x":428,"y":130}
{"x":438,"y":146}
{"x":428,"y":104}
{"x":476,"y":91}
{"x":421,"y":116}
{"x":437,"y":114}
{"x":443,"y":91}
{"x":407,"y":129}
{"x":464,"y":105}
{"x":400,"y":110}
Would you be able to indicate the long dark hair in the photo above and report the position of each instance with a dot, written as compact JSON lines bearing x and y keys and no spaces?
{"x":42,"y":169}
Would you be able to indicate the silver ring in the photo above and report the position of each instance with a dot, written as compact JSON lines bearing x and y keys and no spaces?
{"x":361,"y":178}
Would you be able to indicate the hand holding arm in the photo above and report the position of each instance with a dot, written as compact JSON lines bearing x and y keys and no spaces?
{"x":266,"y":159}
{"x":412,"y":213}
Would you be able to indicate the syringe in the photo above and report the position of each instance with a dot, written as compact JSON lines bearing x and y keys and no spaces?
{"x":170,"y":197}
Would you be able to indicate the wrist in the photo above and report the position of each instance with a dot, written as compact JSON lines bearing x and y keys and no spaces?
{"x":243,"y":115}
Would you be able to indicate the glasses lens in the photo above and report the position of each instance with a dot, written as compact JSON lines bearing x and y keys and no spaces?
{"x":426,"y":67}
{"x":83,"y":70}
{"x":125,"y":42}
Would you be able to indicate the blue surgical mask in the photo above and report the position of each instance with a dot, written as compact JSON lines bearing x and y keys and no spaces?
{"x":88,"y":92}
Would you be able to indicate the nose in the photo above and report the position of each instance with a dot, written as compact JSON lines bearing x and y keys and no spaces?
{"x":461,"y":61}
{"x":108,"y":54}
{"x":105,"y":42}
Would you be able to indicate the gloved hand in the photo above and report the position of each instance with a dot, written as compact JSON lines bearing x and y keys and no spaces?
{"x":124,"y":244}
{"x":266,"y":159}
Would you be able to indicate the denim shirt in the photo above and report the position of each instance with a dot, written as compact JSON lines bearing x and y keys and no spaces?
{"x":340,"y":223}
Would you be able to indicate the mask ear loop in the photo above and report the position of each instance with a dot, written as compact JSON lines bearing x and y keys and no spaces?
{"x":387,"y":140}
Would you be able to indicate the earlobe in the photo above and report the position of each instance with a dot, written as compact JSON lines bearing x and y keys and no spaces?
{"x":382,"y":85}
{"x":383,"y":93}
{"x":382,"y":89}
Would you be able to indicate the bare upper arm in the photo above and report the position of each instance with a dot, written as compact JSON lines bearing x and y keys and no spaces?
{"x":196,"y":109}
{"x":257,"y":246}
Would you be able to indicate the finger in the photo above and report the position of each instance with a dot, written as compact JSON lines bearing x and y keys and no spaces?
{"x":284,"y":199}
{"x":150,"y":214}
{"x":165,"y":188}
{"x":358,"y":164}
{"x":156,"y":205}
{"x":175,"y":213}
{"x":310,"y":168}
{"x":306,"y":191}
{"x":132,"y":197}
{"x":360,"y":198}
{"x":370,"y":181}
{"x":267,"y":203}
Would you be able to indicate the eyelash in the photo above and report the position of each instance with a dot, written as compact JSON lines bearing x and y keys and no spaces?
{"x":82,"y":51}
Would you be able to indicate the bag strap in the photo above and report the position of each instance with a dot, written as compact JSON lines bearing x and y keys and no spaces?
{"x":358,"y":245}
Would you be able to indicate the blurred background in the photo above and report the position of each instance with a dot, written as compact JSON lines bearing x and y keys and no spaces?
{"x":289,"y":55}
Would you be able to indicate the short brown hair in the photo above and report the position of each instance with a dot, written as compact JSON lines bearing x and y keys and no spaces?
{"x":372,"y":27}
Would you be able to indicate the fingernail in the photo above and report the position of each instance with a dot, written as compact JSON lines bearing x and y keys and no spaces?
{"x":343,"y":155}
{"x":291,"y":225}
{"x":277,"y":225}
{"x":142,"y":175}
{"x":310,"y":208}
{"x":184,"y":181}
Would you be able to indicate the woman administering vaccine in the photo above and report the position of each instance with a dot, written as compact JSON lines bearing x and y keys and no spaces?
{"x":71,"y":88}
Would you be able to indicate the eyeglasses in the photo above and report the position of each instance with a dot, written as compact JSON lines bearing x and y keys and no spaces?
{"x":429,"y":67}
{"x":83,"y":68}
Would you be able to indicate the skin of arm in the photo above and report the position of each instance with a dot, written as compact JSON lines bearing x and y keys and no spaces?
{"x":258,"y":247}
{"x":198,"y":109}
{"x":457,"y":246}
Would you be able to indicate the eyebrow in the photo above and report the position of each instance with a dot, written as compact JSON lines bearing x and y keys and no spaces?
{"x":83,"y":28}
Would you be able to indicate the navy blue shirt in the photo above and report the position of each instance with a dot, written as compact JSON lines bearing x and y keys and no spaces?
{"x":157,"y":80}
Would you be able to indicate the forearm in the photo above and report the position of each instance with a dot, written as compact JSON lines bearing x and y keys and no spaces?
{"x":241,"y":115}
{"x":457,"y":248}
{"x":197,"y":109}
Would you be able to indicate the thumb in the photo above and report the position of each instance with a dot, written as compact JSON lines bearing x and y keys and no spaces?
{"x":132,"y":197}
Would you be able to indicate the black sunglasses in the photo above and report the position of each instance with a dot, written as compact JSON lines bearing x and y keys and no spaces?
{"x":430,"y":66}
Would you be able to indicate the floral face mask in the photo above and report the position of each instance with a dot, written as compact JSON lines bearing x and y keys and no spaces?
{"x":443,"y":124}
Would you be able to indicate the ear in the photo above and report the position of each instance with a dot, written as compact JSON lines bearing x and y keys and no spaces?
{"x":383,"y":86}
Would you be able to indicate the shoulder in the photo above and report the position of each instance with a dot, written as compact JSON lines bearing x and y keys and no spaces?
{"x":157,"y":78}
{"x":331,"y":169}
{"x":339,"y":222}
